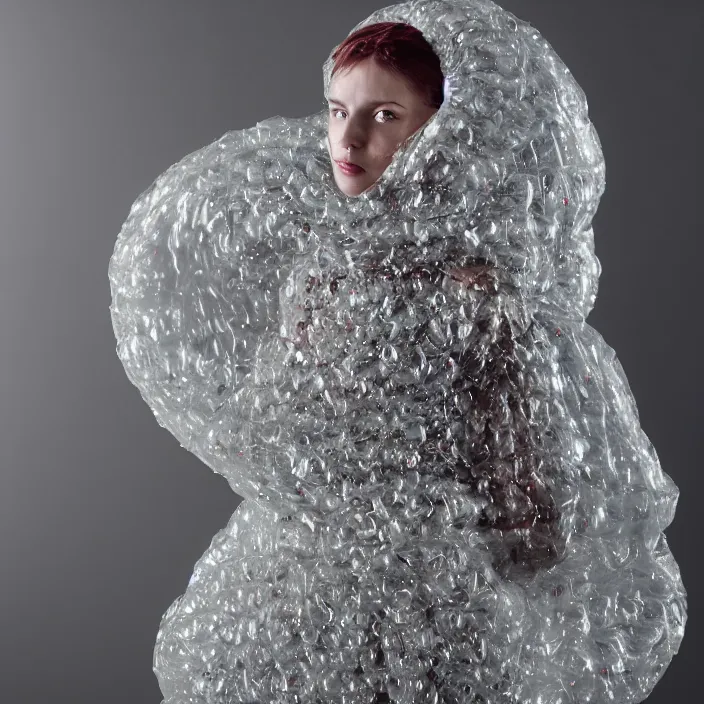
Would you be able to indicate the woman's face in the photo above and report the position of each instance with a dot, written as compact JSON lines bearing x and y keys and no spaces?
{"x":372,"y":111}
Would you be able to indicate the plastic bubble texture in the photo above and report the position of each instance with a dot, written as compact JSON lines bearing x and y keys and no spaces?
{"x":448,"y":497}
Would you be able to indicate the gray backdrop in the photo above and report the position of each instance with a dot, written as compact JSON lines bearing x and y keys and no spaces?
{"x":103,"y":513}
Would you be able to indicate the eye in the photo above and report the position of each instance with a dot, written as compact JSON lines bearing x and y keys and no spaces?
{"x":393,"y":117}
{"x":334,"y":110}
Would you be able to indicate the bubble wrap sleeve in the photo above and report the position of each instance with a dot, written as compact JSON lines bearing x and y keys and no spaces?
{"x":194,"y":279}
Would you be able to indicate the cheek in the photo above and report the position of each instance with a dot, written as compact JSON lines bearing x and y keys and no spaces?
{"x":387,"y":144}
{"x":385,"y":153}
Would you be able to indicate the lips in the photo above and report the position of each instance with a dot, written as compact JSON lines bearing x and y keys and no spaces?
{"x":347,"y":168}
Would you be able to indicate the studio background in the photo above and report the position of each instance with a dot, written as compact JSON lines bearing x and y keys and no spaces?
{"x":103,"y":514}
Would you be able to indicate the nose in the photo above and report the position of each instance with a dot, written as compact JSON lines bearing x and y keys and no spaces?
{"x":353,"y":135}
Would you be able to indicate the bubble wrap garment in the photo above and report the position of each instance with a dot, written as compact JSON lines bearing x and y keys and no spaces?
{"x":448,"y":497}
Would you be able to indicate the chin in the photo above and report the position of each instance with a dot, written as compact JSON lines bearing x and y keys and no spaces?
{"x":352,"y":193}
{"x":353,"y":190}
{"x":347,"y":190}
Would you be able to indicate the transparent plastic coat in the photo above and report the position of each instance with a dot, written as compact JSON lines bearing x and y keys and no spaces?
{"x":447,"y":493}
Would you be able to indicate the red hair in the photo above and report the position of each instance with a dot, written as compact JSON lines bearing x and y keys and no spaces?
{"x":400,"y":48}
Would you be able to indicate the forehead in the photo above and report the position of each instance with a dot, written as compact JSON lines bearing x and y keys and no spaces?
{"x":369,"y":78}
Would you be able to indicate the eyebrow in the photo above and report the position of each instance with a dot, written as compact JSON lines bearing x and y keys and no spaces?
{"x":369,"y":104}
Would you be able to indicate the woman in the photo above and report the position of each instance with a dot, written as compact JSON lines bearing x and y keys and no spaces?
{"x":405,"y":461}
